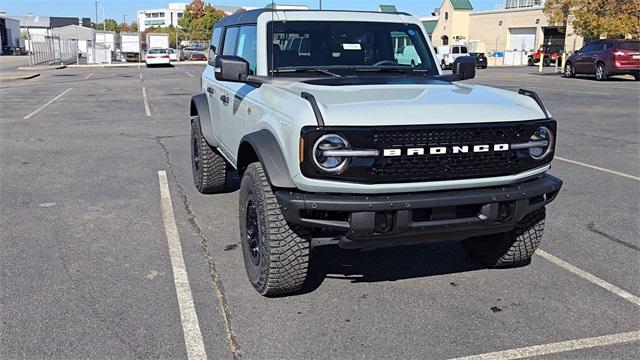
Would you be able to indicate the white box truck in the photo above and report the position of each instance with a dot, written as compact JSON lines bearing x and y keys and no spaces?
{"x":130,"y":46}
{"x":157,"y":40}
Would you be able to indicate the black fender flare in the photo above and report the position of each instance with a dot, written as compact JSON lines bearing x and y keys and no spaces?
{"x":200,"y":108}
{"x":264,"y":145}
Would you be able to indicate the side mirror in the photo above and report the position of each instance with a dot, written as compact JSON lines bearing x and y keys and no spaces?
{"x":464,"y":68}
{"x":231,"y":68}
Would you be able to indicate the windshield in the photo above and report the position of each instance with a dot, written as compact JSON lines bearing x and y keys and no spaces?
{"x":350,"y":46}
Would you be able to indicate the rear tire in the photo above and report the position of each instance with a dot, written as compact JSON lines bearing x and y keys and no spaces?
{"x":276,"y":253}
{"x":601,"y":72}
{"x":209,"y":168}
{"x":530,"y":61}
{"x":510,"y":249}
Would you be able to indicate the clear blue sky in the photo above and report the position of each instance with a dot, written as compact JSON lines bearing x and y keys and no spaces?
{"x":116,"y":8}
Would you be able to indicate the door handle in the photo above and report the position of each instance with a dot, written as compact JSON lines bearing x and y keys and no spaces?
{"x":210,"y":91}
{"x":224,"y":99}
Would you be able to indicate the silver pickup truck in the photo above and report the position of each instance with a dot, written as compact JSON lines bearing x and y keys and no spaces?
{"x":343,"y":138}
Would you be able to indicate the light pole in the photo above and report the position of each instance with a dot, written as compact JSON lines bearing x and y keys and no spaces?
{"x":320,"y":4}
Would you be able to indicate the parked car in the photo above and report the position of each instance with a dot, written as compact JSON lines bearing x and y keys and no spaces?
{"x":197,"y":56}
{"x":605,"y":58}
{"x":481,"y":59}
{"x":157,"y":56}
{"x":173,"y":56}
{"x":347,"y":147}
{"x":551,"y":54}
{"x":449,"y":53}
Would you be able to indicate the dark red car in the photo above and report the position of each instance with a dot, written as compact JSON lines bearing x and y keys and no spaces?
{"x":605,"y":58}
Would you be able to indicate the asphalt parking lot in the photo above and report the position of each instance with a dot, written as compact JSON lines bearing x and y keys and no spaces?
{"x":88,"y":255}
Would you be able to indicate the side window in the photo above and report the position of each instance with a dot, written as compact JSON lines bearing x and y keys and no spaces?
{"x":463,"y":49}
{"x":456,"y":50}
{"x":215,"y":42}
{"x":230,"y":37}
{"x":246,"y":46}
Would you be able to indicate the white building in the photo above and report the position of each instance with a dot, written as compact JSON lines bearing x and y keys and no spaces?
{"x":160,"y":17}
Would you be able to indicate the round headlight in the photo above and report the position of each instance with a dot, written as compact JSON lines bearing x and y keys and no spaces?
{"x":543,"y":136}
{"x":331,"y":164}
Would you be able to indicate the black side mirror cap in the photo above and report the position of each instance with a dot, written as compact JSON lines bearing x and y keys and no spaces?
{"x":464,"y":68}
{"x":231,"y":68}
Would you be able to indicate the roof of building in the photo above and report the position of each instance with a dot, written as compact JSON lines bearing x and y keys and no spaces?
{"x":33,"y":21}
{"x":74,"y":32}
{"x":430,"y":25}
{"x":388,"y":8}
{"x":461,"y":4}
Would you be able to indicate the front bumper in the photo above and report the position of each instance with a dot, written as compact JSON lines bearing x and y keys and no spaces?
{"x":362,"y":221}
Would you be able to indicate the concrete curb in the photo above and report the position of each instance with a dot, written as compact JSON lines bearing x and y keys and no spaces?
{"x":19,"y":76}
{"x":181,"y":63}
{"x":42,"y":67}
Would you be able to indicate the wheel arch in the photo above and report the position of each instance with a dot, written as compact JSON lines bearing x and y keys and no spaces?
{"x":263,"y":146}
{"x":200,"y":107}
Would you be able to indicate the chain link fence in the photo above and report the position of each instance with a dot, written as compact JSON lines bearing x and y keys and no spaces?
{"x":51,"y":50}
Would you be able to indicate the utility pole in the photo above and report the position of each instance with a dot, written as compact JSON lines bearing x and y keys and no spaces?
{"x":95,"y":33}
{"x":124,"y":18}
{"x":320,"y":4}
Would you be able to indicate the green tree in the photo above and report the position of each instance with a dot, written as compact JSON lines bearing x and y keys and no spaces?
{"x":108,"y":25}
{"x":198,"y":20}
{"x":595,"y":18}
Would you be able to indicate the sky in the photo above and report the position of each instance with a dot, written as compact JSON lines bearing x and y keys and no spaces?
{"x":115,"y":9}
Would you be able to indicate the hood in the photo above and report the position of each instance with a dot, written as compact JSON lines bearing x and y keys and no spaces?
{"x":434,"y":102}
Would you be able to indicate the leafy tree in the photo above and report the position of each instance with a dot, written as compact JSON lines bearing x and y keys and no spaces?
{"x":199,"y":18}
{"x":134,"y":27}
{"x":595,"y":18}
{"x":108,"y":25}
{"x":240,"y":10}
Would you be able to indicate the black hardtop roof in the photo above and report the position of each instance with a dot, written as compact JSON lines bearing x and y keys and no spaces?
{"x":251,"y":16}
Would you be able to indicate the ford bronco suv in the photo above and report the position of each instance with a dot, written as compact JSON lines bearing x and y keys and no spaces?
{"x":340,"y":139}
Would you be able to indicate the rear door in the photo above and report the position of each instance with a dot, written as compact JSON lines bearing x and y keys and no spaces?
{"x":209,"y":86}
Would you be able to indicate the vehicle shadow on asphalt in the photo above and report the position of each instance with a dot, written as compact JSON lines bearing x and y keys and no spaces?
{"x":390,"y":264}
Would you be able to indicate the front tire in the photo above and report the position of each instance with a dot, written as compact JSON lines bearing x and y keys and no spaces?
{"x":636,"y":75}
{"x":510,"y":249}
{"x":530,"y":61}
{"x":601,"y":72}
{"x":546,"y":62}
{"x":276,"y":253}
{"x":209,"y":168}
{"x":569,"y":71}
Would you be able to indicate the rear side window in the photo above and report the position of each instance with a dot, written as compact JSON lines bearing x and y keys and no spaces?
{"x":456,"y":50}
{"x":463,"y":49}
{"x":230,"y":37}
{"x":215,"y":42}
{"x":629,"y":45}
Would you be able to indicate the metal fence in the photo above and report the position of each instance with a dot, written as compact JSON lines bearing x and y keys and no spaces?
{"x":51,"y":50}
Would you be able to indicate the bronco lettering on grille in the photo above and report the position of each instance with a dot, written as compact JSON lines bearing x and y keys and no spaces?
{"x":441,"y":150}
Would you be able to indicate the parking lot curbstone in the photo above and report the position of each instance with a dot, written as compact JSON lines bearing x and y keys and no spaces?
{"x":18,"y":76}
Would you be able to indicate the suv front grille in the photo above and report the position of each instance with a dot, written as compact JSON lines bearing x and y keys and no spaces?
{"x":413,"y":168}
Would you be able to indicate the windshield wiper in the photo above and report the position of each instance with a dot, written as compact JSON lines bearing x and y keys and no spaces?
{"x":304,"y":69}
{"x":390,"y":69}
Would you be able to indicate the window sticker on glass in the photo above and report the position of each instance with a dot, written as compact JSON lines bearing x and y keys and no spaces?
{"x":353,"y":46}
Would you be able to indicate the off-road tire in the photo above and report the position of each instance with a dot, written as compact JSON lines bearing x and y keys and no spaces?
{"x":569,"y":71}
{"x":282,"y":249}
{"x":636,"y":75}
{"x":209,"y":168}
{"x":601,"y":72}
{"x":530,"y":61}
{"x":511,"y":249}
{"x":546,"y":62}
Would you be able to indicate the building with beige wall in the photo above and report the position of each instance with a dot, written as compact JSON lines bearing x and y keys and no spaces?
{"x":511,"y":32}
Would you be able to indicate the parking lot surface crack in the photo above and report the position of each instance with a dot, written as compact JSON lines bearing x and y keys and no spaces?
{"x":234,"y":348}
{"x":592,"y":227}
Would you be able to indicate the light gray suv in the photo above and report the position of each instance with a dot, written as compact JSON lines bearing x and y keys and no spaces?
{"x":342,"y":138}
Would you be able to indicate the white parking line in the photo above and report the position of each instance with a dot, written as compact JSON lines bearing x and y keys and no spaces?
{"x":190,"y":325}
{"x":46,"y":104}
{"x":146,"y":103}
{"x":598,"y":168}
{"x":88,"y":76}
{"x":557,"y":347}
{"x":589,"y":277}
{"x":188,"y":74}
{"x":140,"y":76}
